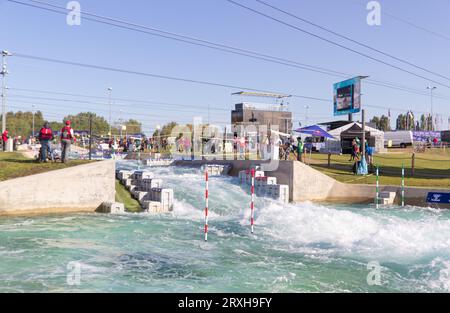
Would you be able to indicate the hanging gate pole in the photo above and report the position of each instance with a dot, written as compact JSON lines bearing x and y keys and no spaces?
{"x":403,"y":185}
{"x":252,"y":204}
{"x":377,"y":200}
{"x":206,"y":205}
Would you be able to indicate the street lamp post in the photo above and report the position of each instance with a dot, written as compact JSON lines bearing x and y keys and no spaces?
{"x":306,"y":114}
{"x":158,"y":128}
{"x":32,"y":129}
{"x":109,"y":102}
{"x":431,"y":89}
{"x":4,"y":72}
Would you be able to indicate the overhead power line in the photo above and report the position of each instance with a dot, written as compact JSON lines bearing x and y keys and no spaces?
{"x":405,"y":21}
{"x":186,"y":80}
{"x":351,"y":40}
{"x":115,"y":104}
{"x":163,"y":109}
{"x":336,"y":43}
{"x":217,"y":46}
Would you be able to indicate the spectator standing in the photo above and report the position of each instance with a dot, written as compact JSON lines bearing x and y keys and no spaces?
{"x":45,"y":136}
{"x":67,"y":138}
{"x":5,"y":137}
{"x":300,"y":149}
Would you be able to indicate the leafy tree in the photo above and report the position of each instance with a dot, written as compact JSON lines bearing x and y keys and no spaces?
{"x":166,"y":130}
{"x":21,"y":123}
{"x":376,"y":120}
{"x":385,"y":123}
{"x":381,"y":123}
{"x":80,"y":122}
{"x":133,"y":126}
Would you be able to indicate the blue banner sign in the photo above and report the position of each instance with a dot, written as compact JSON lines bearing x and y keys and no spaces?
{"x":426,"y":136}
{"x":438,"y":197}
{"x":347,"y":97}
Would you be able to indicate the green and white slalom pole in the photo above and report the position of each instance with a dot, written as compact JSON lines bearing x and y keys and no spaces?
{"x":403,"y":185}
{"x":377,"y":199}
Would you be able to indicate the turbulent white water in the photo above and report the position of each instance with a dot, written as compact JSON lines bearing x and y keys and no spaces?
{"x":301,"y":247}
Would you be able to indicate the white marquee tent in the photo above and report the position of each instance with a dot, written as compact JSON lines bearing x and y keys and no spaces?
{"x":375,"y":133}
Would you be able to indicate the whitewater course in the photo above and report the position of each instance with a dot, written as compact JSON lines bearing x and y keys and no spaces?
{"x":303,"y":247}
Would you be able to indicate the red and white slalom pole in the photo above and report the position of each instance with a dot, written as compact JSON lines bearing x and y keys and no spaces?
{"x":252,"y":204}
{"x":206,"y":205}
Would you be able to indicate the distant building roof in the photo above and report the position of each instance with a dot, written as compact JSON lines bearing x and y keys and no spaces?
{"x":261,"y":94}
{"x":335,"y":124}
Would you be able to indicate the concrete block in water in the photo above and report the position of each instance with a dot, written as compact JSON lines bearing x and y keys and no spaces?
{"x":122,"y":175}
{"x":139,"y":175}
{"x":260,"y":190}
{"x":140,"y":195}
{"x":387,"y":198}
{"x":130,"y":187}
{"x":131,"y":182}
{"x":111,"y":207}
{"x":258,"y":174}
{"x":148,"y":184}
{"x":153,"y":207}
{"x":279,"y":192}
{"x":164,"y":196}
{"x":264,"y":180}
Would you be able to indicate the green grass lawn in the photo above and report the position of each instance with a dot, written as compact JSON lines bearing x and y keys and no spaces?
{"x":14,"y":165}
{"x":432,"y":169}
{"x":123,"y":196}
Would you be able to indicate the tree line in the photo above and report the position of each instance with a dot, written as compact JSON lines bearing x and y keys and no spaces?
{"x":20,"y":124}
{"x":404,"y":122}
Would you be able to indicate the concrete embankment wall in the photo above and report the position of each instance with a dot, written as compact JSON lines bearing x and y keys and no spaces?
{"x":308,"y":184}
{"x":74,"y":189}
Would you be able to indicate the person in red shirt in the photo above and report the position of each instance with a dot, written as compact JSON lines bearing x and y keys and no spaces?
{"x":45,"y":136}
{"x":5,"y":137}
{"x":67,"y":138}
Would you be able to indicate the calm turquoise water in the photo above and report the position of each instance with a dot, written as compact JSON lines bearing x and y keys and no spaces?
{"x":296,"y":248}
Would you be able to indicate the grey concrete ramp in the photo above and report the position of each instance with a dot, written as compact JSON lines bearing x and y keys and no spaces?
{"x":78,"y":188}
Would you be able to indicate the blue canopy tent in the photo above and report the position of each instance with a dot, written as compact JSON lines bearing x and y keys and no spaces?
{"x":315,"y":131}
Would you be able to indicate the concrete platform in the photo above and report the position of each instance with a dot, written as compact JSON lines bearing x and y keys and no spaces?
{"x":308,"y":184}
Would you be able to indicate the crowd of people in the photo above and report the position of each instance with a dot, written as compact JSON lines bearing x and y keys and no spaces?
{"x":134,"y":144}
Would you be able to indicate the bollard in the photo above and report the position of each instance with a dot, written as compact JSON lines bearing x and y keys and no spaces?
{"x":252,"y":204}
{"x":413,"y":163}
{"x":206,"y":205}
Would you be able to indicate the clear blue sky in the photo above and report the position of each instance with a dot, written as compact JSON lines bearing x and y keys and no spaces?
{"x":31,"y":31}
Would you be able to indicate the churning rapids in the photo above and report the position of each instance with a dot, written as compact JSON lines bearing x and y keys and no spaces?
{"x":296,"y":248}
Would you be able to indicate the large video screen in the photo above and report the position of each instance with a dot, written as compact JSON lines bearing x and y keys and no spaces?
{"x":347,"y":97}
